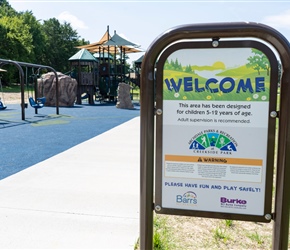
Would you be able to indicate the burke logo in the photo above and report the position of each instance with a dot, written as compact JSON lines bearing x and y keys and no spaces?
{"x":233,"y":201}
{"x":189,"y":198}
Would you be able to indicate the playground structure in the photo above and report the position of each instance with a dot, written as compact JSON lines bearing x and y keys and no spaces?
{"x":36,"y":101}
{"x":105,"y":69}
{"x":137,"y":71}
{"x":84,"y":67}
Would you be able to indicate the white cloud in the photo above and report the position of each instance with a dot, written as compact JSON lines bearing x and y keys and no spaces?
{"x":73,"y":20}
{"x":278,"y":21}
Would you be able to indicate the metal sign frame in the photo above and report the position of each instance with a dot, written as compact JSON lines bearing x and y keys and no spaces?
{"x":159,"y":208}
{"x":147,"y":119}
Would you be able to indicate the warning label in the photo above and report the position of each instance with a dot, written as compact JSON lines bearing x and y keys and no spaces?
{"x":228,"y":169}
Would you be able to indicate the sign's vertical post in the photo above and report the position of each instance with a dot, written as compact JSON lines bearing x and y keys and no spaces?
{"x":147,"y":156}
{"x":282,"y":201}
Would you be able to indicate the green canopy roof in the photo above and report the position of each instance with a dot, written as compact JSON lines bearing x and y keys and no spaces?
{"x":139,"y":60}
{"x":83,"y":55}
{"x":117,"y":40}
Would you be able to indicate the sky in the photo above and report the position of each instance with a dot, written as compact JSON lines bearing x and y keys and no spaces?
{"x":142,"y":21}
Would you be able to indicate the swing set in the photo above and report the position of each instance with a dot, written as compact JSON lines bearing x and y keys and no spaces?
{"x":38,"y":103}
{"x":2,"y":105}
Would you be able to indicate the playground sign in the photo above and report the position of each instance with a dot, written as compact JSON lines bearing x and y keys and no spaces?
{"x":215,"y":125}
{"x":209,"y":107}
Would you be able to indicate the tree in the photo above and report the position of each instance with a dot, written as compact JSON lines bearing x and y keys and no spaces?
{"x":188,"y":69}
{"x":60,"y":43}
{"x":258,"y":61}
{"x":25,"y":39}
{"x":173,"y":65}
{"x":166,"y":64}
{"x":177,"y":66}
{"x":38,"y":39}
{"x":15,"y":43}
{"x":6,"y":9}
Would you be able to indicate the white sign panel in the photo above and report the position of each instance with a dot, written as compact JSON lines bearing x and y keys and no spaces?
{"x":215,"y":130}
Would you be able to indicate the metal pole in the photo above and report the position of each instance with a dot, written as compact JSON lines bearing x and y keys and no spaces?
{"x":147,"y":157}
{"x":21,"y":73}
{"x":56,"y":91}
{"x":35,"y":91}
{"x":282,"y":201}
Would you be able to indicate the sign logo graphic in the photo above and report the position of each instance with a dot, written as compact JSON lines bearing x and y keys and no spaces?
{"x":220,"y":140}
{"x":188,"y":198}
{"x":233,"y":203}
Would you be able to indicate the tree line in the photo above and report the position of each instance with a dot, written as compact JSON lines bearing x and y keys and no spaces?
{"x":176,"y":65}
{"x":23,"y":38}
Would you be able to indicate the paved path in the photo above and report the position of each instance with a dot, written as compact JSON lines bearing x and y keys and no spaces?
{"x":84,"y":197}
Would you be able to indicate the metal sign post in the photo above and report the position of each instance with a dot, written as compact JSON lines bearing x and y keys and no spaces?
{"x":200,"y":152}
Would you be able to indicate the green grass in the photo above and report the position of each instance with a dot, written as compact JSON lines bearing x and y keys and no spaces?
{"x":238,"y":72}
{"x":162,"y":235}
{"x":135,"y":92}
{"x":256,"y":237}
{"x":220,"y":234}
{"x":12,"y":88}
{"x":229,"y":223}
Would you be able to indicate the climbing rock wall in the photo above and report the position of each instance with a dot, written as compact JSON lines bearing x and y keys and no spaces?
{"x":124,"y":99}
{"x":67,"y":89}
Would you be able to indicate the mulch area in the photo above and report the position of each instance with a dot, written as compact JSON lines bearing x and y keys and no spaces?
{"x":43,"y":135}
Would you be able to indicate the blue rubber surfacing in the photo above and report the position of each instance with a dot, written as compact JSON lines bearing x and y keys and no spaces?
{"x":43,"y":135}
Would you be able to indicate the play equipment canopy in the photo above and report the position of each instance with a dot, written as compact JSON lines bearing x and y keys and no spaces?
{"x":110,"y":51}
{"x":114,"y":44}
